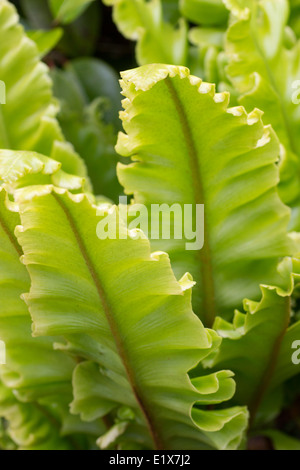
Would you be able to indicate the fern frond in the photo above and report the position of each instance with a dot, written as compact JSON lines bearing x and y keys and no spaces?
{"x":28,"y":119}
{"x":188,"y":147}
{"x":122,"y":310}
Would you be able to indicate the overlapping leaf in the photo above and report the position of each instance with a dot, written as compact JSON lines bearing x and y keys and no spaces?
{"x":282,"y":441}
{"x":204,"y":12}
{"x":160,"y":28}
{"x":258,"y":346}
{"x":189,"y":148}
{"x":122,"y":310}
{"x":45,"y":40}
{"x":34,"y":372}
{"x":31,"y":427}
{"x":27,"y":120}
{"x":89,"y":94}
{"x":33,"y":369}
{"x":264,"y":66}
{"x":157,"y":41}
{"x":19,"y":169}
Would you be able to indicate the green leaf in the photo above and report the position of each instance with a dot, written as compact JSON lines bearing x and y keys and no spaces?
{"x":208,"y":36}
{"x":31,"y":427}
{"x":28,"y":119}
{"x":282,"y":441}
{"x":94,"y":79}
{"x":80,"y":37}
{"x":89,"y":93}
{"x":265,"y":73}
{"x":121,"y":308}
{"x":45,"y":40}
{"x":294,"y":16}
{"x":258,"y":347}
{"x":34,"y":372}
{"x":204,"y":12}
{"x":196,"y":150}
{"x":210,"y":43}
{"x":66,"y":11}
{"x":110,"y":439}
{"x":19,"y":169}
{"x":37,"y":14}
{"x":157,"y":41}
{"x":33,"y":368}
{"x":6,"y":443}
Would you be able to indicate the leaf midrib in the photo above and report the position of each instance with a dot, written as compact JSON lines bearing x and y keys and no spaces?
{"x":154,"y":433}
{"x":5,"y":141}
{"x":203,"y":256}
{"x":271,"y":366}
{"x":10,"y":236}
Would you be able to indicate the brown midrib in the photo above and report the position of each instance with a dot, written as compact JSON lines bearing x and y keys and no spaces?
{"x":114,"y":330}
{"x":11,"y":237}
{"x":5,"y":142}
{"x":203,"y":257}
{"x":271,"y":366}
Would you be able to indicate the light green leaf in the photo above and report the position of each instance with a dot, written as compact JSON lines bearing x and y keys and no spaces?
{"x":31,"y":427}
{"x":265,"y":73}
{"x":196,"y":150}
{"x":33,"y":369}
{"x":121,"y":308}
{"x":210,"y":44}
{"x":19,"y":169}
{"x":45,"y":40}
{"x":111,"y":437}
{"x":28,"y":119}
{"x":258,"y":346}
{"x":157,"y":41}
{"x":66,"y":11}
{"x":34,"y":373}
{"x":208,"y":36}
{"x":204,"y":12}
